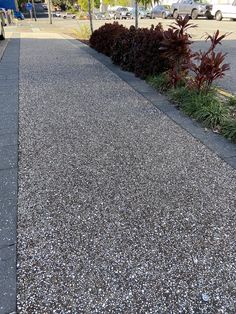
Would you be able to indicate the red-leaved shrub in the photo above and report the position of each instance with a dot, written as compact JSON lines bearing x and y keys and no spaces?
{"x":208,"y":66}
{"x":147,"y":57}
{"x":104,"y":38}
{"x":139,"y":51}
{"x":121,"y":50}
{"x":176,"y":47}
{"x":148,"y":52}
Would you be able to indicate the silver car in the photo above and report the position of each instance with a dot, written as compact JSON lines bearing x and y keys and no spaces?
{"x":193,"y":8}
{"x":160,"y":11}
{"x":122,"y":13}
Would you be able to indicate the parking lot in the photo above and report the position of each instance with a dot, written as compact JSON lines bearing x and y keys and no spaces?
{"x":67,"y":26}
{"x":204,"y":26}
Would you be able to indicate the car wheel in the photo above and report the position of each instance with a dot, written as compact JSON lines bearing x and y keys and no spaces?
{"x":194,"y":14}
{"x":152,"y":17}
{"x":163,"y":15}
{"x":175,"y":14}
{"x":218,"y":16}
{"x":2,"y":35}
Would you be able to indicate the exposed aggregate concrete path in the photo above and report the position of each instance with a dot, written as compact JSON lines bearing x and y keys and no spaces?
{"x":120,"y":209}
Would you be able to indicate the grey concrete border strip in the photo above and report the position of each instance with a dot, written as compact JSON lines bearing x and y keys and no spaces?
{"x":9,"y":101}
{"x":215,"y":142}
{"x":3,"y":47}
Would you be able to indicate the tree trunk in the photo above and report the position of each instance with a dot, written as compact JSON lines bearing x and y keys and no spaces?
{"x":90,"y":16}
{"x":136,"y":14}
{"x":101,"y":6}
{"x":50,"y":11}
{"x":35,"y":18}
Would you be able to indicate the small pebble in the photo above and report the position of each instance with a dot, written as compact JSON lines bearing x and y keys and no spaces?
{"x":205,"y":297}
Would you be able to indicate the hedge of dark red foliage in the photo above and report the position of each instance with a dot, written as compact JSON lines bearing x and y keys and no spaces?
{"x":146,"y":53}
{"x":104,"y":38}
{"x":134,"y":50}
{"x":121,"y":50}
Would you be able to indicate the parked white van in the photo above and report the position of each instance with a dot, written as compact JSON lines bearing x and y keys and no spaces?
{"x":220,"y":11}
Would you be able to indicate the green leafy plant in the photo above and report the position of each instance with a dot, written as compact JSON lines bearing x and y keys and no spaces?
{"x":83,"y":32}
{"x":160,"y":81}
{"x":213,"y":114}
{"x":229,"y":129}
{"x":204,"y":108}
{"x":180,"y":95}
{"x":231,"y":101}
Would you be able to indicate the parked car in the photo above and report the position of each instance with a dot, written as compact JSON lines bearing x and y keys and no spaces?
{"x":19,"y":15}
{"x":110,"y":15}
{"x":2,"y":24}
{"x":221,"y":11}
{"x":142,"y":13}
{"x":40,"y":7}
{"x":100,"y":16}
{"x":69,"y":16}
{"x":122,"y":13}
{"x":45,"y":6}
{"x":193,"y":8}
{"x":57,"y":13}
{"x":160,"y":11}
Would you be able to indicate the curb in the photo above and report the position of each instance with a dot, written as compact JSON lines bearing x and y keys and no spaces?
{"x":215,"y":142}
{"x":224,"y":92}
{"x":9,"y":92}
{"x":3,"y":47}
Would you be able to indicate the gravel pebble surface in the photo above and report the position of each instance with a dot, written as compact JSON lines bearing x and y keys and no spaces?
{"x":120,"y":209}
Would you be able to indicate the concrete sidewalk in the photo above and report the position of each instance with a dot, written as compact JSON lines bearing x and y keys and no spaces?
{"x":9,"y":78}
{"x":120,"y":210}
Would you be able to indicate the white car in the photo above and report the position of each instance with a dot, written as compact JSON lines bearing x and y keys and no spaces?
{"x":57,"y":13}
{"x":69,"y":15}
{"x":220,"y":11}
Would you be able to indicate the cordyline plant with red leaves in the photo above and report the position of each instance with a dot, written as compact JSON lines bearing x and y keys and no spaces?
{"x":176,"y":47}
{"x":208,"y":66}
